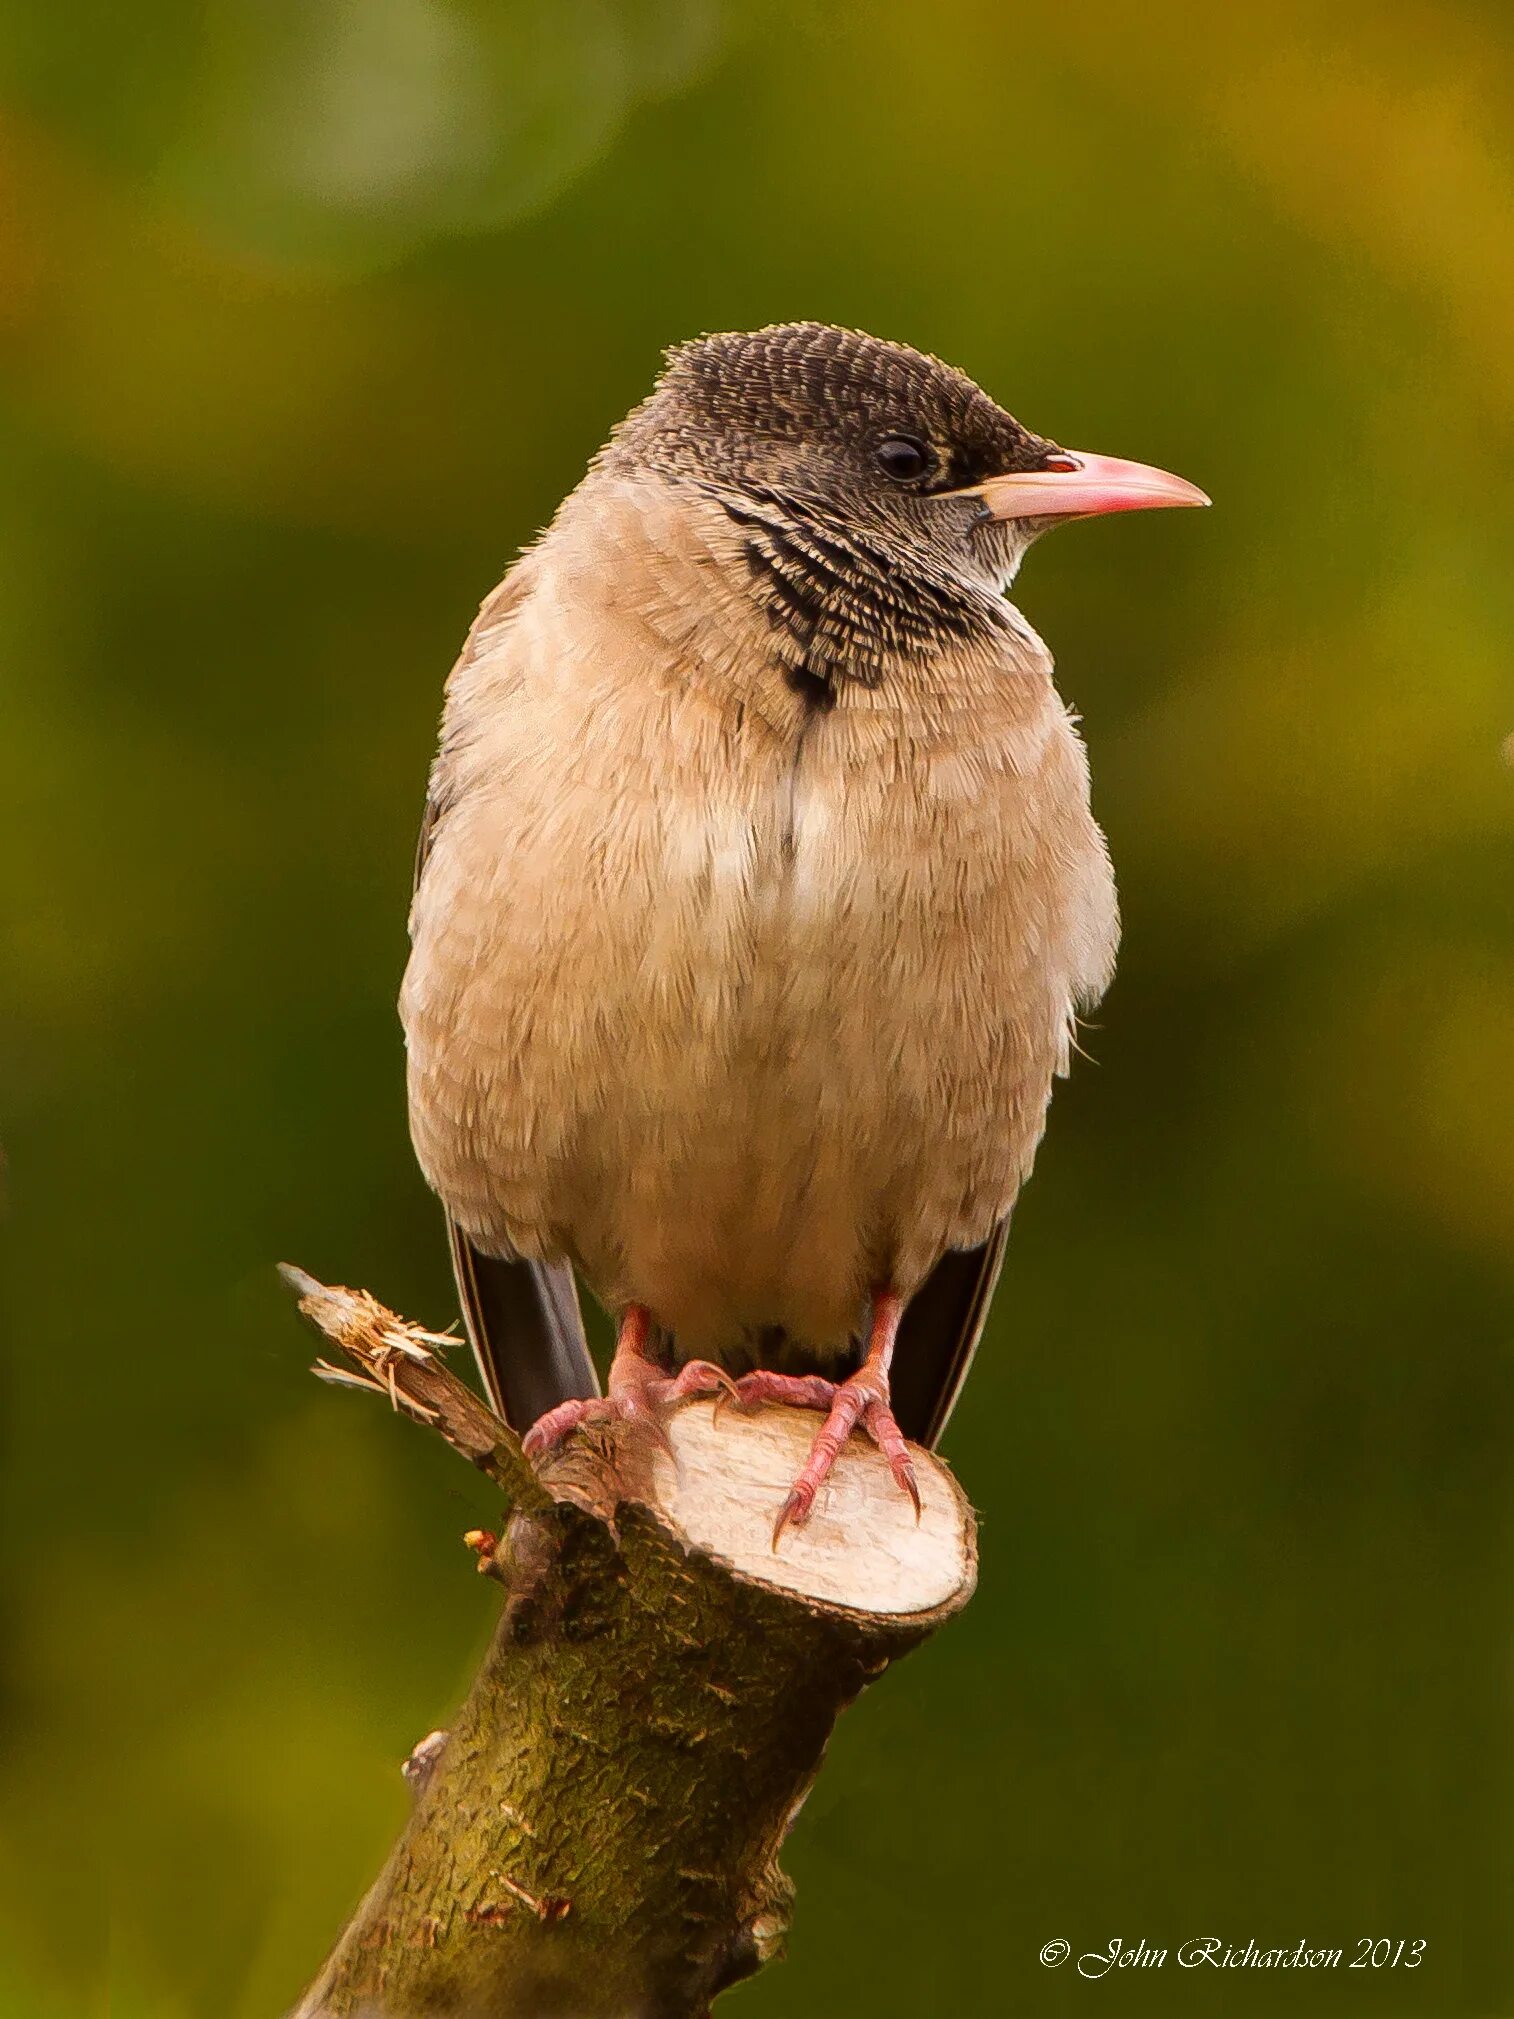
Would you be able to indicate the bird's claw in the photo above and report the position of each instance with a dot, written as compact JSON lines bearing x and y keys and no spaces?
{"x":548,"y":1431}
{"x":878,"y":1419}
{"x":643,"y":1399}
{"x":860,"y":1402}
{"x":703,"y":1377}
{"x":796,"y":1508}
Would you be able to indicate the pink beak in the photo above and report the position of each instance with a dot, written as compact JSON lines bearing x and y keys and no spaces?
{"x":1078,"y":486}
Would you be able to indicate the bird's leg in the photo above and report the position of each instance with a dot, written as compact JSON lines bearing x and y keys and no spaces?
{"x":863,"y":1398}
{"x":640,"y":1391}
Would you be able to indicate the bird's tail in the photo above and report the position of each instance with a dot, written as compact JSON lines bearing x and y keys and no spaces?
{"x":526,"y":1331}
{"x":939,"y":1336}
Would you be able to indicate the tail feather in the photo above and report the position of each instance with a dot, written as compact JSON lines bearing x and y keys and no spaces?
{"x":939,"y":1336}
{"x":526,"y":1331}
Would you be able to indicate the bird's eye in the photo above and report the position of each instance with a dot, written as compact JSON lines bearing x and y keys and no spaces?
{"x":903,"y":458}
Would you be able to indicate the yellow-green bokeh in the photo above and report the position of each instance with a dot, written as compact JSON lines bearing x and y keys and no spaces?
{"x":308,"y":315}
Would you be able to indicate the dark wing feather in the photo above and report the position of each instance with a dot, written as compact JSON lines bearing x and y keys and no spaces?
{"x":525,"y":1328}
{"x":939,"y":1335}
{"x":522,"y":1318}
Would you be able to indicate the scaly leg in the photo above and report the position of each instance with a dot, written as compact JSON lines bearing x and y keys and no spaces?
{"x":640,"y":1390}
{"x":862,"y":1398}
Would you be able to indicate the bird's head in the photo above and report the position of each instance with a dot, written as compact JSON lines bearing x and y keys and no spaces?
{"x":885,"y":501}
{"x":875,"y":437}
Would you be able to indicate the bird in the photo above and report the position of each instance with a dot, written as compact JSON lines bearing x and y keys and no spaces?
{"x":757,"y":899}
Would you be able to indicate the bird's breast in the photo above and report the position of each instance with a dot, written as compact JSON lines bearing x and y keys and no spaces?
{"x":742,"y":1004}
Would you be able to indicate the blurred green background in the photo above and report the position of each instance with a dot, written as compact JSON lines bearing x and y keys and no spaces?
{"x":310,"y":310}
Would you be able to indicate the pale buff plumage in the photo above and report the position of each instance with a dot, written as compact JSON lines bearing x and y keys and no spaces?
{"x":744,"y":1008}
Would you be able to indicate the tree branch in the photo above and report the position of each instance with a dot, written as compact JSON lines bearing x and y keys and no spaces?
{"x":598,"y":1834}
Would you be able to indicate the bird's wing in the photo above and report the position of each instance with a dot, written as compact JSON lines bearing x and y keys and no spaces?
{"x":522,"y":1318}
{"x":939,"y":1336}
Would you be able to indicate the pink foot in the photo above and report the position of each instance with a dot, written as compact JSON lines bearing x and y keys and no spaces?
{"x":640,"y":1391}
{"x":648,"y":1402}
{"x":861,"y":1400}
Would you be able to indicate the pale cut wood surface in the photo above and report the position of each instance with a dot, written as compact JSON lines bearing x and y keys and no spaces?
{"x":722,"y":1483}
